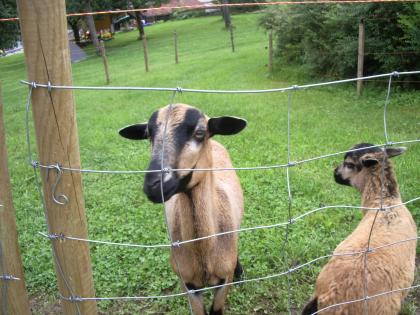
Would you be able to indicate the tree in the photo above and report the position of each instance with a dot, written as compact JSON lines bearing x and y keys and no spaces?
{"x":91,"y":25}
{"x":138,"y":4}
{"x":9,"y":31}
{"x":226,"y":14}
{"x":324,"y":37}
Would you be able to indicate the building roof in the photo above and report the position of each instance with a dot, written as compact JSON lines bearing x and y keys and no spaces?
{"x":166,"y":9}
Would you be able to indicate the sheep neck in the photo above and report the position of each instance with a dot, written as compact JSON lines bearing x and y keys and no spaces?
{"x":202,"y":205}
{"x":374,"y":193}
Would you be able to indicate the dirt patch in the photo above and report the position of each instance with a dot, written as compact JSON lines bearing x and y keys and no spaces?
{"x":45,"y":305}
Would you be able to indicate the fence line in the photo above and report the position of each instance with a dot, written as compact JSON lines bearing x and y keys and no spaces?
{"x":51,"y":86}
{"x":291,"y":221}
{"x":59,"y":169}
{"x":289,"y":271}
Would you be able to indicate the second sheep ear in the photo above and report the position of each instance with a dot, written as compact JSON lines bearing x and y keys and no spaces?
{"x":226,"y":125}
{"x":134,"y":132}
{"x":391,"y":152}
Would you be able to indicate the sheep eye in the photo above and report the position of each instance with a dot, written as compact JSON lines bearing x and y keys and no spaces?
{"x":349,"y":165}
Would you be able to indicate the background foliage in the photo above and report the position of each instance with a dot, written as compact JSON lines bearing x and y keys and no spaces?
{"x":324,"y":38}
{"x":9,"y":31}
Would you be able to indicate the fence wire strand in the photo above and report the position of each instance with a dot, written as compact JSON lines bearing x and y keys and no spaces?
{"x":276,"y":275}
{"x":59,"y":168}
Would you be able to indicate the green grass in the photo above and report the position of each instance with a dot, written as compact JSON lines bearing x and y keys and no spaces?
{"x":324,"y":120}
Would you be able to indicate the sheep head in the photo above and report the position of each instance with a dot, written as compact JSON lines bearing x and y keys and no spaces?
{"x":359,"y":164}
{"x":179,"y":136}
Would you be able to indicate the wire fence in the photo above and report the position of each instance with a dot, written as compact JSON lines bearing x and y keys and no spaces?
{"x":291,"y":220}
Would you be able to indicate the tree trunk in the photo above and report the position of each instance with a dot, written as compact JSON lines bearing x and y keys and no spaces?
{"x":75,"y":29}
{"x":140,"y":25}
{"x":92,"y":29}
{"x":226,"y":14}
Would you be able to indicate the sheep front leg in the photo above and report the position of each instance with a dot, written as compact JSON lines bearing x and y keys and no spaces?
{"x":220,"y":295}
{"x":196,"y":300}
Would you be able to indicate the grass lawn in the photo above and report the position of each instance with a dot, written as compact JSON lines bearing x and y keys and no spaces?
{"x":324,"y":120}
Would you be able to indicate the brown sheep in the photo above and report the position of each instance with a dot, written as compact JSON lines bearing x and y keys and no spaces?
{"x":389,"y":268}
{"x":198,"y":203}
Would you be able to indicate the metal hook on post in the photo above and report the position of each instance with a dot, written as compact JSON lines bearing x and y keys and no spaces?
{"x":63,"y":197}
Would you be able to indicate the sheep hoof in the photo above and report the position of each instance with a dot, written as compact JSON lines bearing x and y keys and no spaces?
{"x":311,"y":307}
{"x":237,"y":274}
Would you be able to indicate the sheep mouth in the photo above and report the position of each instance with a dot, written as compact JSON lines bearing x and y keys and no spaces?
{"x":157,"y":194}
{"x":340,"y":180}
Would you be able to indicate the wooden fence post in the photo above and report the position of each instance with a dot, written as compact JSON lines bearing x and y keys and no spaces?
{"x":105,"y":59}
{"x":232,"y":42}
{"x":176,"y":47}
{"x":270,"y":51}
{"x":13,"y":294}
{"x":360,"y":57}
{"x":145,"y":53}
{"x":43,"y":27}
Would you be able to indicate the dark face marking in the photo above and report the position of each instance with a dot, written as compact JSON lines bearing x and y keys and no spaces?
{"x":182,"y":132}
{"x":152,"y":125}
{"x":185,"y":130}
{"x":356,"y":155}
{"x":339,"y":179}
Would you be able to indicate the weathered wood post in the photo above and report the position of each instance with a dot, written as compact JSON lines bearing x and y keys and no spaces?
{"x":360,"y":57}
{"x":43,"y":26}
{"x":13,"y":295}
{"x":145,"y":53}
{"x":105,"y":60}
{"x":176,"y":46}
{"x":270,"y":51}
{"x":232,"y":41}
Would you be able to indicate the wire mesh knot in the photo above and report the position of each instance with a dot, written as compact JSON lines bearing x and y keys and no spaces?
{"x":178,"y":89}
{"x":192,"y":291}
{"x":33,"y":85}
{"x":60,"y":236}
{"x":75,"y":299}
{"x":291,"y":163}
{"x":295,"y":87}
{"x":49,"y":87}
{"x":8,"y":278}
{"x":396,"y":74}
{"x":35,"y":164}
{"x":176,"y":244}
{"x":166,"y":170}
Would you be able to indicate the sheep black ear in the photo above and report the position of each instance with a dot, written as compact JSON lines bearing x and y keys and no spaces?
{"x":226,"y":125}
{"x":391,"y":152}
{"x":134,"y":132}
{"x":369,"y":161}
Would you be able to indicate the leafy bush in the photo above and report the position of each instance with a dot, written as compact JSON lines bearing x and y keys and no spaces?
{"x":325,"y":37}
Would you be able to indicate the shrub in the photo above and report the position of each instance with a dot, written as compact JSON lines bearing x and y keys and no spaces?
{"x":325,"y":37}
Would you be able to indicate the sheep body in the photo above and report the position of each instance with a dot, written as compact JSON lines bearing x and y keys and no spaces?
{"x":198,"y":204}
{"x":388,"y":268}
{"x":215,"y":205}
